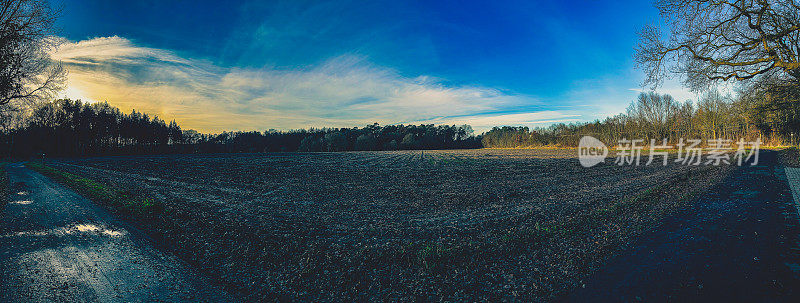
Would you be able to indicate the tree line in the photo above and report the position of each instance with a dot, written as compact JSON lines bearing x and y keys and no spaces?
{"x":68,"y":128}
{"x":72,"y":128}
{"x":65,"y":127}
{"x":372,"y":137}
{"x":769,"y":111}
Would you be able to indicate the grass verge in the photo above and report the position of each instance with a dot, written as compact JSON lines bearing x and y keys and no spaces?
{"x":122,"y":201}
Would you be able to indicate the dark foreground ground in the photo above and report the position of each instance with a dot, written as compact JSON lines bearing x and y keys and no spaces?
{"x":739,"y":242}
{"x":496,"y":225}
{"x":56,"y":246}
{"x":408,"y":225}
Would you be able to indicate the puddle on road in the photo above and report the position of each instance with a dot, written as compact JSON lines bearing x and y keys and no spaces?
{"x":97,"y":229}
{"x":76,"y":229}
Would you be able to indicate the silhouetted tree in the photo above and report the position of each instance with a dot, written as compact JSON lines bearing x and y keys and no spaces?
{"x":719,"y":40}
{"x":73,"y":128}
{"x":26,"y":72}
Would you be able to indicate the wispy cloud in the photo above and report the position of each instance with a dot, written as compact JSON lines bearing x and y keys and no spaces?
{"x":342,"y":91}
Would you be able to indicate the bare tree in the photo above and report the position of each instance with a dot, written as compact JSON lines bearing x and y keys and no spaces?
{"x":653,"y":113}
{"x":27,"y":74}
{"x":713,"y":40}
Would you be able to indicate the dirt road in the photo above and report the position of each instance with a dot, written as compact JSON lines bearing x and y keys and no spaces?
{"x":737,"y":243}
{"x":58,"y":246}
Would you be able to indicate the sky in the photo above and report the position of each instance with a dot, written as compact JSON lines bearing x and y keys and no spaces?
{"x":257,"y":65}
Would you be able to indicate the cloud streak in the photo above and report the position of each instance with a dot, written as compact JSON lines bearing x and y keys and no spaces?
{"x":344,"y":91}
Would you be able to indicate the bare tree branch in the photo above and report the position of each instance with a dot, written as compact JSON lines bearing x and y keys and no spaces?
{"x":27,"y":74}
{"x":717,"y":40}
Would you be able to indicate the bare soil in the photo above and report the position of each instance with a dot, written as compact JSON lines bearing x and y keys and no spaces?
{"x":408,"y":225}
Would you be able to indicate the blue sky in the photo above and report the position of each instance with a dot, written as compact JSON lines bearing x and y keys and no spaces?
{"x":242,"y":65}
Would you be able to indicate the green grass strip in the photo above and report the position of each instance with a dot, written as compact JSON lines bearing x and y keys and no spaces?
{"x":125,"y":202}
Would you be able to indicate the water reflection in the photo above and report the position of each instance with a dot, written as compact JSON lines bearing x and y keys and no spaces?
{"x":76,"y":229}
{"x":85,"y":228}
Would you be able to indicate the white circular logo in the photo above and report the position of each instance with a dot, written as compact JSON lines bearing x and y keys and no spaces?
{"x":591,"y":151}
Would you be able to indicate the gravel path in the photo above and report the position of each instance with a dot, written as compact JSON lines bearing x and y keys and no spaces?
{"x":58,"y":246}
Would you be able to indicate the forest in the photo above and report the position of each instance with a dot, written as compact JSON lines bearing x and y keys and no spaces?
{"x":771,"y":113}
{"x":73,"y":128}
